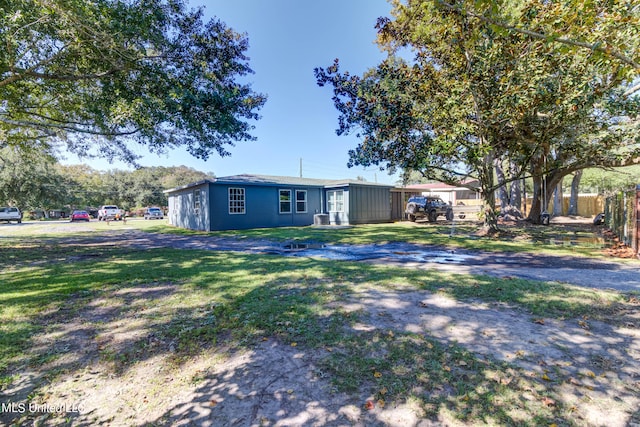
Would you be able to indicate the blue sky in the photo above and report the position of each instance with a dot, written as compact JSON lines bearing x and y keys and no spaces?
{"x":288,"y":39}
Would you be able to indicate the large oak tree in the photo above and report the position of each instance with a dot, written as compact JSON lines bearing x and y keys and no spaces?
{"x":103,"y":75}
{"x":475,"y":94}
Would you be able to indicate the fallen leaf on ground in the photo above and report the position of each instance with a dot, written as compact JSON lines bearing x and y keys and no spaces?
{"x":573,"y":381}
{"x":539,"y":321}
{"x":583,"y":324}
{"x":377,"y":374}
{"x":548,"y":401}
{"x":369,"y":405}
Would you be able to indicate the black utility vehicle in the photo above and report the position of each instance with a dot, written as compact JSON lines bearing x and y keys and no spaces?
{"x":428,"y":207}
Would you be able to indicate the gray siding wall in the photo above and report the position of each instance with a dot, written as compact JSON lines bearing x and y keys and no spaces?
{"x":262,"y":207}
{"x":182,"y":208}
{"x":369,"y":204}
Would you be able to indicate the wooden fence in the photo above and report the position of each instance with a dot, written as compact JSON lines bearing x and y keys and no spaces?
{"x":622,"y":216}
{"x":589,"y":205}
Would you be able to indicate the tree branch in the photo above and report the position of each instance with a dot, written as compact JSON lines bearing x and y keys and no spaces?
{"x":541,"y":36}
{"x":36,"y":125}
{"x":69,"y":77}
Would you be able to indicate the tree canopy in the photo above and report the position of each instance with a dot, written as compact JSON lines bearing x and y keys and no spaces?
{"x":609,"y":31}
{"x":476,"y":94}
{"x":32,"y":181}
{"x":100,"y":75}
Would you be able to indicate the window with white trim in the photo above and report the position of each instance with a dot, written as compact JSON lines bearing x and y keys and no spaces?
{"x":196,"y":200}
{"x":236,"y":201}
{"x":301,"y":201}
{"x":285,"y":201}
{"x":335,"y":201}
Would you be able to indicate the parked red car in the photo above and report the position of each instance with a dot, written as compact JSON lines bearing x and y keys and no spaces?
{"x":79,"y":216}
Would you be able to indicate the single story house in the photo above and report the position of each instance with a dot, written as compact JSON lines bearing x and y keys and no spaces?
{"x":260,"y":201}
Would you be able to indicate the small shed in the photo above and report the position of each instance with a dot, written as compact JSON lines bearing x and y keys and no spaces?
{"x":261,"y":201}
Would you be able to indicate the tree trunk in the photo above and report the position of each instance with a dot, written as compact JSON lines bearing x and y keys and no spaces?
{"x":542,"y":191}
{"x":489,"y":212}
{"x":502,"y":190}
{"x":573,"y":200}
{"x":487,"y":185}
{"x":536,"y":201}
{"x":515,"y":193}
{"x":558,"y":203}
{"x":543,"y":187}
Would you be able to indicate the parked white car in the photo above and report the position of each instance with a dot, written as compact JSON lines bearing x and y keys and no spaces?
{"x":110,"y":212}
{"x":10,"y":213}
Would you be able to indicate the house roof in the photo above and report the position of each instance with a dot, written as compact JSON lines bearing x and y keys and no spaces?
{"x":270,"y":180}
{"x":440,"y":186}
{"x":183,"y":187}
{"x":291,"y":180}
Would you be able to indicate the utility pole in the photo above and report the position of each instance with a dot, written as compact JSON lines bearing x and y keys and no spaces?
{"x":300,"y":167}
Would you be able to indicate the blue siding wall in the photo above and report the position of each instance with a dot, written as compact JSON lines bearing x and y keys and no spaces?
{"x":262,"y":207}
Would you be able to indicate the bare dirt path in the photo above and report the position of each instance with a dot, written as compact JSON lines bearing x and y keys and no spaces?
{"x":596,"y":369}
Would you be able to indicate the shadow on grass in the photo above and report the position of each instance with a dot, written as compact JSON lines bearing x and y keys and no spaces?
{"x":409,"y":364}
